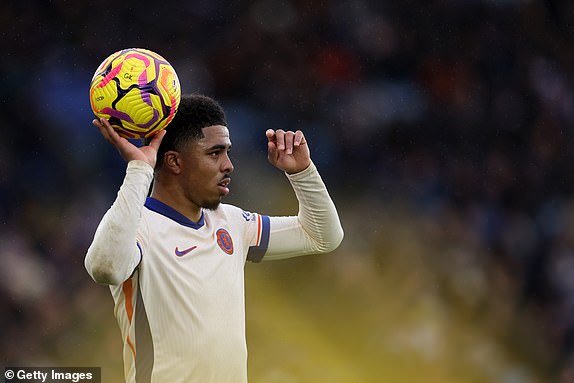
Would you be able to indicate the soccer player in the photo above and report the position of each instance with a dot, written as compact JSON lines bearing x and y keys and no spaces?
{"x":175,"y":260}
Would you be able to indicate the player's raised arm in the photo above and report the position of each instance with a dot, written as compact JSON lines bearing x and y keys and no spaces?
{"x":316,"y":228}
{"x":114,"y":253}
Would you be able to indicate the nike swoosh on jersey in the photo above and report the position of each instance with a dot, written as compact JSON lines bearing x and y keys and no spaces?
{"x":183,"y":252}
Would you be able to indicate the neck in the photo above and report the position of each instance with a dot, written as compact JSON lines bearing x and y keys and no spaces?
{"x":176,"y":200}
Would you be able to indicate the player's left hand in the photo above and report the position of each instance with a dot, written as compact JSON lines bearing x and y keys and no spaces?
{"x":288,"y":150}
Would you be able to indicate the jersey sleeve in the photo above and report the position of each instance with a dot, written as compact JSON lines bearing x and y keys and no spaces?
{"x":257,"y":232}
{"x":116,"y":249}
{"x":315,"y":229}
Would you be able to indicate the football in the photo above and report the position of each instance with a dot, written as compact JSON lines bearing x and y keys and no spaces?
{"x":137,"y":90}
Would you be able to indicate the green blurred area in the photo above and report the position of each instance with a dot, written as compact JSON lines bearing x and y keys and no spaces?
{"x":387,"y":307}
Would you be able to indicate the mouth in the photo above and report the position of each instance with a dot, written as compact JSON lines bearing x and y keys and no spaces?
{"x":223,"y":185}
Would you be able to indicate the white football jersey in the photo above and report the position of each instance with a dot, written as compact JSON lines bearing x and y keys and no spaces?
{"x":178,"y":285}
{"x":182,"y":313}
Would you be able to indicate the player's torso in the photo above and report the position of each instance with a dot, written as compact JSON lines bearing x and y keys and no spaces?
{"x":191,"y":281}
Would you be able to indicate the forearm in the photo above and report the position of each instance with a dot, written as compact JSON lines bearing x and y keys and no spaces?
{"x":316,"y":228}
{"x":113,"y":254}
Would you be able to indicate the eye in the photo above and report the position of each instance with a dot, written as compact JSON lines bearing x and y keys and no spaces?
{"x":216,"y":152}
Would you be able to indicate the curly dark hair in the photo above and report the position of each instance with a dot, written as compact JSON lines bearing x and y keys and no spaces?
{"x":195,"y":112}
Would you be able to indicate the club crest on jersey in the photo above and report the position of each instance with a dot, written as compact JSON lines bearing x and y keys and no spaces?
{"x":224,"y":241}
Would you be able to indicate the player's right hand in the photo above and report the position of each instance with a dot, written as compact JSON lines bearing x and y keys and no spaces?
{"x":129,"y":151}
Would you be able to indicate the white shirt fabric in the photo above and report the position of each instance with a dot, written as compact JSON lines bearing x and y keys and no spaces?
{"x":178,"y":285}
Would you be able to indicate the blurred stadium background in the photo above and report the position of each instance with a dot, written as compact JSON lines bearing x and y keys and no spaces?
{"x":444,"y":130}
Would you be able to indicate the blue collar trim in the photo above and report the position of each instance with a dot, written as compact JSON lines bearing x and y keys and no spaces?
{"x":165,"y":210}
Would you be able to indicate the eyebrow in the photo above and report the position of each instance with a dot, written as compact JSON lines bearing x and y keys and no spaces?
{"x":219,"y":147}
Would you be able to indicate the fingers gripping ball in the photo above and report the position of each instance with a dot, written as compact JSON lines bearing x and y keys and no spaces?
{"x":137,"y":90}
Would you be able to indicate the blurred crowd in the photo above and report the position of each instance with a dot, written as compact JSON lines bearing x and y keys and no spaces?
{"x":460,"y":113}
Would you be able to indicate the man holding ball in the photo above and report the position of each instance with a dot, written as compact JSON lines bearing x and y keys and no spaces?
{"x":175,"y":260}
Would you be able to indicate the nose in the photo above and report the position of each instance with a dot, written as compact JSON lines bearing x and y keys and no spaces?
{"x":227,"y":165}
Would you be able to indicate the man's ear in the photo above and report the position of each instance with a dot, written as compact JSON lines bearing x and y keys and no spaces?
{"x":171,"y":162}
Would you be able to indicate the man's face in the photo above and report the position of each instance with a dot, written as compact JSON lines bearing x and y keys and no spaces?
{"x":206,"y":167}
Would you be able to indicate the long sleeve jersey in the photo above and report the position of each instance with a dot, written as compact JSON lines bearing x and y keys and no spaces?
{"x":178,"y":285}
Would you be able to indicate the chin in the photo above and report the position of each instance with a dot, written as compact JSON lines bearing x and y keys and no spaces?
{"x":211,"y":205}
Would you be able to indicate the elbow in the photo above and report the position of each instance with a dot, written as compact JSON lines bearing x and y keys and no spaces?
{"x":105,"y":277}
{"x":101,"y":272}
{"x":333,"y":242}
